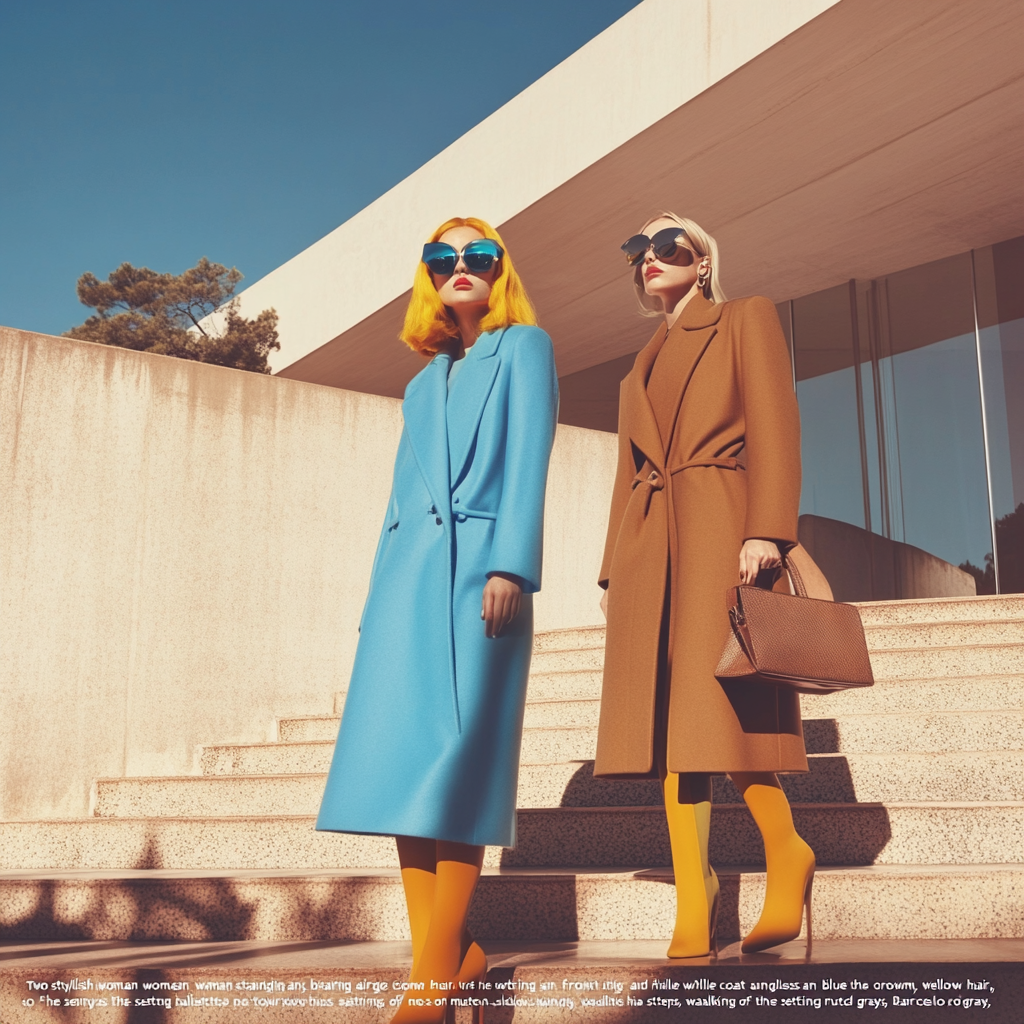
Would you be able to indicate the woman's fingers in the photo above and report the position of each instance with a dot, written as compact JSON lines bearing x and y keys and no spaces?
{"x":487,"y":610}
{"x":501,"y":604}
{"x":756,"y":555}
{"x":494,"y":626}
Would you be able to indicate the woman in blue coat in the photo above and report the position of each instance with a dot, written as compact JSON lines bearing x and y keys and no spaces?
{"x":428,"y":749}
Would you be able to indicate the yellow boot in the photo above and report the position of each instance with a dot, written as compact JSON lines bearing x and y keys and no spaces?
{"x":443,"y":952}
{"x":790,"y":863}
{"x":418,"y":859}
{"x":688,"y":810}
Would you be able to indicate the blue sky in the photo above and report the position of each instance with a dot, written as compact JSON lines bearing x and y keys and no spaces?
{"x":159,"y":132}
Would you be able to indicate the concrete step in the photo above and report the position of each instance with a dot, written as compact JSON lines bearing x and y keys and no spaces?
{"x":894,"y":663}
{"x":556,"y":746}
{"x":311,"y":727}
{"x":896,"y":696}
{"x":878,"y":733}
{"x":948,"y":662}
{"x":942,"y":609}
{"x":915,"y":635}
{"x":939,"y":622}
{"x":206,"y":796}
{"x":833,"y":778}
{"x":267,"y":758}
{"x":958,"y":693}
{"x":841,"y":833}
{"x":563,"y":758}
{"x":944,"y":731}
{"x":936,"y":732}
{"x":884,"y":778}
{"x":882,"y":902}
{"x":584,"y":684}
{"x":569,"y":639}
{"x":589,"y":659}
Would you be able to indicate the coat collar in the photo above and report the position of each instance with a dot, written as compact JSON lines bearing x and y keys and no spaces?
{"x":699,"y":313}
{"x":432,"y":423}
{"x":697,"y":325}
{"x":425,"y":426}
{"x":468,"y":397}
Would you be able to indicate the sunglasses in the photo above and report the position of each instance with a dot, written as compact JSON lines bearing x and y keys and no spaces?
{"x":665,"y":244}
{"x":479,"y":256}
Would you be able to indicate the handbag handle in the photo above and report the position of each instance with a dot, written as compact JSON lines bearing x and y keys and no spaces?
{"x":799,"y":587}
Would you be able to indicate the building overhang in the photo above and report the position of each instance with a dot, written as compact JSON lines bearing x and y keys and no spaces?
{"x":875,"y":137}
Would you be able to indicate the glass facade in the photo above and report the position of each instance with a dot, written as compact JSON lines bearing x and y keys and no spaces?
{"x":911,"y":391}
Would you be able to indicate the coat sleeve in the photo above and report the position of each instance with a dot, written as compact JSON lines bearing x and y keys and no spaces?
{"x":517,"y":547}
{"x":772,"y":424}
{"x":624,"y":473}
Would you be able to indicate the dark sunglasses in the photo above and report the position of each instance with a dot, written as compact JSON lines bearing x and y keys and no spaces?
{"x":665,"y":244}
{"x":479,"y":256}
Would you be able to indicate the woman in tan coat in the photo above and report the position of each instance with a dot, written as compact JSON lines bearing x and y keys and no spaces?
{"x":706,"y":495}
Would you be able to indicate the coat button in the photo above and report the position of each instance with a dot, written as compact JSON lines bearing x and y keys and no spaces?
{"x":432,"y":511}
{"x":438,"y":520}
{"x":653,"y":476}
{"x":460,"y":517}
{"x":455,"y":501}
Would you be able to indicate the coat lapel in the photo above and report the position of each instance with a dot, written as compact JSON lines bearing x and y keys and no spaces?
{"x":469,"y":396}
{"x":424,"y":413}
{"x":698,"y":324}
{"x":643,"y":427}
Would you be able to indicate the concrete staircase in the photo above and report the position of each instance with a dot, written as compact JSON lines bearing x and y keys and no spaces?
{"x":914,"y":806}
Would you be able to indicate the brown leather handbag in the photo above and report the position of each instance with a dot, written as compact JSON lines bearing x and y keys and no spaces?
{"x":793,"y":640}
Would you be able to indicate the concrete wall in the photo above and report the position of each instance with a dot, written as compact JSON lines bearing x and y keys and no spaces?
{"x":184,"y":554}
{"x":862,"y":566}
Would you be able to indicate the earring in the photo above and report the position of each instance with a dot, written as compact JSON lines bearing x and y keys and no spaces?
{"x":703,"y":274}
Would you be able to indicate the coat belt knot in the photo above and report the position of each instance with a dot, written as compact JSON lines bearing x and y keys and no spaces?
{"x":652,"y":481}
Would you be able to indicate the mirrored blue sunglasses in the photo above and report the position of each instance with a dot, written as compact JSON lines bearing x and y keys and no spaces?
{"x":479,"y":256}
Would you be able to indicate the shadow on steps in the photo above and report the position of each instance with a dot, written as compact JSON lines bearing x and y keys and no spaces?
{"x":612,"y":823}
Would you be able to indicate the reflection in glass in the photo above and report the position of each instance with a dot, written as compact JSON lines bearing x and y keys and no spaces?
{"x":911,"y":391}
{"x":826,"y":386}
{"x":999,"y":285}
{"x":941,"y":451}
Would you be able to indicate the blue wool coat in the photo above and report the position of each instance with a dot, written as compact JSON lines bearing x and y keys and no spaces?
{"x":430,"y":735}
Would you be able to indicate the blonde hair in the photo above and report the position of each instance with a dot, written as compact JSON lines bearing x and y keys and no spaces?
{"x":703,"y":244}
{"x":429,"y":325}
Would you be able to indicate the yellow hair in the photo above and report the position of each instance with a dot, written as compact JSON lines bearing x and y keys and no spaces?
{"x":428,"y":324}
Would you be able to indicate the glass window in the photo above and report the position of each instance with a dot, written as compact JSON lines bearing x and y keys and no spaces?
{"x":826,"y":387}
{"x":999,"y":283}
{"x":927,"y":364}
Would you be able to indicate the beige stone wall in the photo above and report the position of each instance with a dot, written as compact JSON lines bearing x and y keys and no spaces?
{"x":184,"y":554}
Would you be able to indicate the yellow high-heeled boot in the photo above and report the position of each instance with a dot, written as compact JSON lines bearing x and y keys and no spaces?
{"x":418,"y":860}
{"x":443,"y":954}
{"x":790,"y":863}
{"x":688,"y":810}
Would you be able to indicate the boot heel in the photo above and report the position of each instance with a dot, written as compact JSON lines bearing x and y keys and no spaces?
{"x":473,"y":971}
{"x":714,"y":927}
{"x":807,"y":910}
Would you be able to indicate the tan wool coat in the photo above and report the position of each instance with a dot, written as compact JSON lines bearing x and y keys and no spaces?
{"x":678,"y":519}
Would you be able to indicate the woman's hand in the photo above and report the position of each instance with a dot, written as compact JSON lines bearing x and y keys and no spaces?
{"x":502,"y":597}
{"x":604,"y":604}
{"x":756,"y":555}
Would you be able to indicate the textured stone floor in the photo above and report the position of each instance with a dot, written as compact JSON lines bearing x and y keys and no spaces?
{"x":550,"y":983}
{"x":361,"y":956}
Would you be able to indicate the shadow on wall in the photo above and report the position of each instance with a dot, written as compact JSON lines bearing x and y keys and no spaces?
{"x":863,"y":566}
